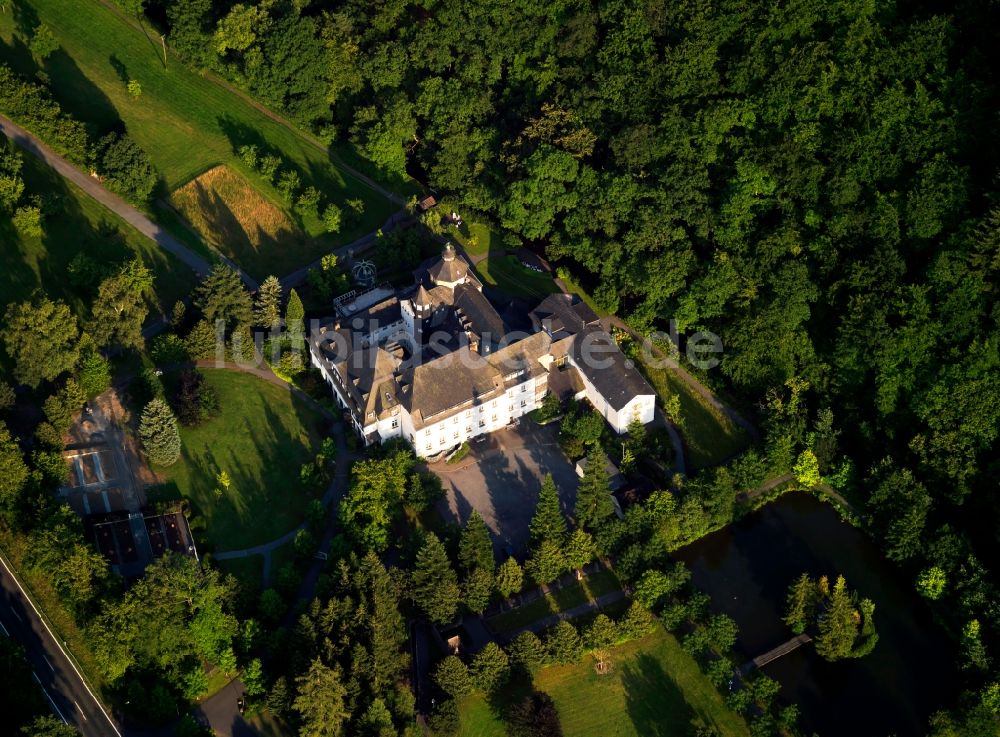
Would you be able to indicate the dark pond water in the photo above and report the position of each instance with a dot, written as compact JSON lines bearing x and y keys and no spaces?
{"x":747,"y":568}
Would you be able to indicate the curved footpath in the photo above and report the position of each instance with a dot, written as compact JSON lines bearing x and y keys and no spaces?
{"x":93,"y":188}
{"x":221,"y":711}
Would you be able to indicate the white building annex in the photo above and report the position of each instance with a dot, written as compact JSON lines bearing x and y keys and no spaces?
{"x":438,"y":365}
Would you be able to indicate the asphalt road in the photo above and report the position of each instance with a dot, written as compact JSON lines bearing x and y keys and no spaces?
{"x":68,"y":695}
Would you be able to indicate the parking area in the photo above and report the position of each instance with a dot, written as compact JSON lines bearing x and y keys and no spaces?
{"x":500,"y":478}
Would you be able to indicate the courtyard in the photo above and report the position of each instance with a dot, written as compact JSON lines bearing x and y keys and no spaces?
{"x":500,"y":478}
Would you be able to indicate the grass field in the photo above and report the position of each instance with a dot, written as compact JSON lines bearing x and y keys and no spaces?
{"x":560,"y":600}
{"x":261,"y":438}
{"x":74,"y":223}
{"x":710,"y":437}
{"x":655,"y":689}
{"x":186,"y":122}
{"x":238,"y":221}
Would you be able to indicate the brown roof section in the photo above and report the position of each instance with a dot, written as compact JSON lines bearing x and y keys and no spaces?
{"x":564,"y":314}
{"x":450,"y":268}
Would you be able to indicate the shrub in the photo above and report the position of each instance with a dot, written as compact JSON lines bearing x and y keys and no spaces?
{"x":168,"y":348}
{"x":32,"y":106}
{"x":332,"y":218}
{"x":28,"y":221}
{"x":125,"y":167}
{"x":196,"y":400}
{"x":269,"y":164}
{"x":288,"y":184}
{"x":248,"y":155}
{"x":308,"y":200}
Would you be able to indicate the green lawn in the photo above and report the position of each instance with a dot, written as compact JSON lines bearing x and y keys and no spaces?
{"x":75,"y":223}
{"x":655,"y":689}
{"x":710,"y":437}
{"x":592,"y":587}
{"x":499,"y":267}
{"x":185,"y":121}
{"x":261,"y":438}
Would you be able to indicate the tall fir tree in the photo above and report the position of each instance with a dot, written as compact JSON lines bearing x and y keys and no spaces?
{"x":435,"y":584}
{"x":222,"y":296}
{"x":267,"y":304}
{"x":322,"y":701}
{"x":548,"y":522}
{"x":159,"y":435}
{"x":294,"y":315}
{"x":838,"y":627}
{"x":475,"y":547}
{"x":593,"y":497}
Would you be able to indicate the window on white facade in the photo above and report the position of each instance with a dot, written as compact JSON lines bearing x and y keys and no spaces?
{"x":524,"y":387}
{"x":455,"y":435}
{"x":494,"y":418}
{"x":441,"y":441}
{"x":511,"y":408}
{"x":427,"y":447}
{"x":524,"y":403}
{"x":482,"y":423}
{"x":469,"y":428}
{"x":456,"y":420}
{"x":395,"y":423}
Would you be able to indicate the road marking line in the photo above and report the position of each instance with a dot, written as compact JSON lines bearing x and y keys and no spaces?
{"x":72,"y":665}
{"x":48,"y":663}
{"x":81,"y":711}
{"x":19,"y":617}
{"x":4,"y":629}
{"x":53,"y":703}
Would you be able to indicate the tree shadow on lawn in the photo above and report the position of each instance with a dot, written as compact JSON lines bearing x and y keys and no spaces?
{"x":654,"y":702}
{"x":254,"y":500}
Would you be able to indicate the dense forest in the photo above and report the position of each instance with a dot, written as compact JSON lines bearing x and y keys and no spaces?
{"x":814,"y":181}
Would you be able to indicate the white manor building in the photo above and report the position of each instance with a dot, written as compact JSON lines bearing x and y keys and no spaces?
{"x":437,"y":364}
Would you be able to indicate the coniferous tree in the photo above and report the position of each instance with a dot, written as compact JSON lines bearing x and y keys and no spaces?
{"x":547,"y":563}
{"x":267,"y":303}
{"x":435,"y":584}
{"x":294,"y":314}
{"x":203,"y":342}
{"x":580,"y":549}
{"x":452,"y":676}
{"x":159,"y":435}
{"x":222,"y":296}
{"x":475,"y":547}
{"x":321,"y":702}
{"x":838,"y":627}
{"x":801,"y":602}
{"x":548,"y":522}
{"x":510,"y":578}
{"x":593,"y":497}
{"x":477,"y":589}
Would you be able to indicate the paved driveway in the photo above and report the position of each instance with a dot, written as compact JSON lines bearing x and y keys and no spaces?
{"x":500,"y":478}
